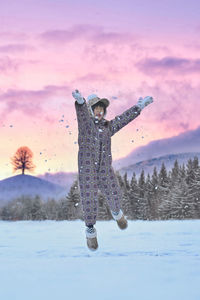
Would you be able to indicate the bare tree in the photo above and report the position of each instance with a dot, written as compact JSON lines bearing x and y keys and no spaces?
{"x":22,"y":160}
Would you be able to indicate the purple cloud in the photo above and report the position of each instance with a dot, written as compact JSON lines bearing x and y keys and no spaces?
{"x":29,"y":102}
{"x":178,"y":65}
{"x":176,"y":104}
{"x":112,"y":37}
{"x":8,"y":35}
{"x":65,"y":36}
{"x":91,"y":77}
{"x":88,"y":32}
{"x":8,"y":64}
{"x":14,"y":48}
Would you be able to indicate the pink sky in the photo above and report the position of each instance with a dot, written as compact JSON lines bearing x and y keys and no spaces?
{"x":118,"y":49}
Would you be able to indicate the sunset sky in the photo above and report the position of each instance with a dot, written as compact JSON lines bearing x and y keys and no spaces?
{"x":117,"y":49}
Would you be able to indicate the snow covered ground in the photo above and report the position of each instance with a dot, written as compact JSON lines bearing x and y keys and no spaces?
{"x":150,"y":260}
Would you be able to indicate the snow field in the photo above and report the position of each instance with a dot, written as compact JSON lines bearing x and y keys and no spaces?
{"x":149,"y":260}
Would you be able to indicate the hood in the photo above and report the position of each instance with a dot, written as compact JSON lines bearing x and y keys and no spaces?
{"x":93,"y":99}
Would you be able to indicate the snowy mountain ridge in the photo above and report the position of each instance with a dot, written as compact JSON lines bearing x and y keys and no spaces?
{"x":185,"y":142}
{"x":66,"y":179}
{"x":148,"y":165}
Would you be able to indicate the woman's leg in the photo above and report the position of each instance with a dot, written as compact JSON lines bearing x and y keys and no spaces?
{"x":110,"y":188}
{"x":88,"y":188}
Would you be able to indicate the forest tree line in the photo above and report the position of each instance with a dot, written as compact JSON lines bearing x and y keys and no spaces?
{"x":173,"y":194}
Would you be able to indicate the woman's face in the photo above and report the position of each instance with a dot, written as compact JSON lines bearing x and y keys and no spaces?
{"x":99,"y":112}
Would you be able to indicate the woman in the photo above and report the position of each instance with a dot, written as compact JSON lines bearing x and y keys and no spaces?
{"x":95,"y":159}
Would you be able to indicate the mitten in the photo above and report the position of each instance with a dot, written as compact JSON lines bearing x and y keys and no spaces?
{"x":144,"y":102}
{"x":78,"y":97}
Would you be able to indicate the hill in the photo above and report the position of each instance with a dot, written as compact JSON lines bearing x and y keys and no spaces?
{"x":26,"y":185}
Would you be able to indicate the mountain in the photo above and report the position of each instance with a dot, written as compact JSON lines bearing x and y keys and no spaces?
{"x":67,"y":179}
{"x":26,"y":185}
{"x":186,"y":142}
{"x":64,"y":179}
{"x":148,"y":165}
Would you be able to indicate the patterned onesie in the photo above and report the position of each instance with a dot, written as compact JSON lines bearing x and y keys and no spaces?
{"x":95,"y":159}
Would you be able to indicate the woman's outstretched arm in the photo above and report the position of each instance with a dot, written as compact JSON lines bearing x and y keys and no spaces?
{"x":129,"y":115}
{"x":83,"y":116}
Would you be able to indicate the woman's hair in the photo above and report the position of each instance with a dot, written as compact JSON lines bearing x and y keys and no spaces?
{"x":101,"y":104}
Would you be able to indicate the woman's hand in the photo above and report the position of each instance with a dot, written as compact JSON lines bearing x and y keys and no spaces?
{"x":77,"y":96}
{"x":144,"y":102}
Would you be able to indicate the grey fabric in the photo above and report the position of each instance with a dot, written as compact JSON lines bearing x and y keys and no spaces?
{"x":95,"y":159}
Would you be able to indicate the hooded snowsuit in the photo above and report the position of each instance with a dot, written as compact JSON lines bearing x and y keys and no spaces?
{"x":95,"y":159}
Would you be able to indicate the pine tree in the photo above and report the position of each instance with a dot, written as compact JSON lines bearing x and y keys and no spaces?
{"x":16,"y":209}
{"x":27,"y":203}
{"x":149,"y":197}
{"x":183,"y":172}
{"x":103,"y":211}
{"x":51,"y":209}
{"x":126,"y":197}
{"x":126,"y":182}
{"x":190,"y":173}
{"x":195,"y":163}
{"x":164,"y":188}
{"x":37,"y":209}
{"x":5,"y":213}
{"x":194,"y":193}
{"x":133,"y":198}
{"x":155,"y":194}
{"x":63,"y":209}
{"x":177,"y":206}
{"x":120,"y":180}
{"x":142,"y":201}
{"x":175,"y":174}
{"x":73,"y":207}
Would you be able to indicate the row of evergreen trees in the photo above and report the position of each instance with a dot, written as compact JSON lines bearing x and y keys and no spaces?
{"x":164,"y":195}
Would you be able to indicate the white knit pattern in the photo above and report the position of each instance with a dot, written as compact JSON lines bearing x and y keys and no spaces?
{"x":92,"y":96}
{"x":117,"y":216}
{"x":91,"y":233}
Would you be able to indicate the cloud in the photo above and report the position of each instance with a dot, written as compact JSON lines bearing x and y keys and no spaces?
{"x":166,"y":64}
{"x":176,"y":104}
{"x":29,"y":102}
{"x":112,"y":37}
{"x":105,"y":56}
{"x":92,"y":33}
{"x":8,"y":35}
{"x":91,"y":77}
{"x":65,"y":36}
{"x":188,"y":141}
{"x":8,"y":64}
{"x":15,"y":48}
